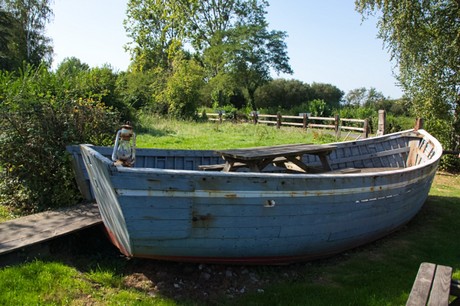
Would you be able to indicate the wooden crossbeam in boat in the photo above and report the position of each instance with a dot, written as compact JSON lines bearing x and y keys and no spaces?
{"x":219,"y":167}
{"x":33,"y":229}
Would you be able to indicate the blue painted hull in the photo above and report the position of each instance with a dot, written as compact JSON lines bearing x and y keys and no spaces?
{"x":247,"y":217}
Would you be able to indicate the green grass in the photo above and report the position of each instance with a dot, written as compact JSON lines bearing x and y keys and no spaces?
{"x":55,"y":283}
{"x":41,"y":283}
{"x":380,"y":273}
{"x":5,"y":214}
{"x":172,"y":134}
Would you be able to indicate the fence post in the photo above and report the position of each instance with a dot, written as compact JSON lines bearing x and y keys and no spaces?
{"x":305,"y":120}
{"x":220,"y":116}
{"x":381,"y":126}
{"x":278,"y":120}
{"x":255,"y":117}
{"x":366,"y":128}
{"x":336,"y":125}
{"x":418,"y":124}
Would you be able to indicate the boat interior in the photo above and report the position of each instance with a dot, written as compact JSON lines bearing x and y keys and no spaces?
{"x":391,"y":152}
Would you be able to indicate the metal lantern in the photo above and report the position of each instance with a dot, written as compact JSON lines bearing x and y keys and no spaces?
{"x":124,"y":150}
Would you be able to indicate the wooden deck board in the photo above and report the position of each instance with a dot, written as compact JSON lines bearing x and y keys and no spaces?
{"x":24,"y":231}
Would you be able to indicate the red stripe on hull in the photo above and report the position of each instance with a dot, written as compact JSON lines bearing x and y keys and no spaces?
{"x":116,"y":243}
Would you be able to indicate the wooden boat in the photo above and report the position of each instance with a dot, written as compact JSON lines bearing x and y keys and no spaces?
{"x":166,"y":208}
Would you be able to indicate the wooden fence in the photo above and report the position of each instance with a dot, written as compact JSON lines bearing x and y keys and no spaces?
{"x":334,"y":124}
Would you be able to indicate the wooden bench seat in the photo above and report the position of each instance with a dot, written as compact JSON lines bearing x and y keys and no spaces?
{"x":433,"y":285}
{"x":219,"y":167}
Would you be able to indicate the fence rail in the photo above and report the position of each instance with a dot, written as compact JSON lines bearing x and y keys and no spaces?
{"x":336,"y":123}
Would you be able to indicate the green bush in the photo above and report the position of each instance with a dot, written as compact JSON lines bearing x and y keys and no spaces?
{"x":34,"y":131}
{"x":74,"y":80}
{"x":398,"y":123}
{"x":299,"y":109}
{"x":182,"y":90}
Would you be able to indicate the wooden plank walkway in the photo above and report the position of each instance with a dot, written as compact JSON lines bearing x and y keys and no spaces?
{"x":29,"y":230}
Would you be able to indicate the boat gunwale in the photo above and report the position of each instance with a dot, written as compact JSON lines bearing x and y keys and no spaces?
{"x":432,"y":160}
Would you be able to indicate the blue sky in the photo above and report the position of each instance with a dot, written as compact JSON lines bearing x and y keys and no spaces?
{"x":327,"y":40}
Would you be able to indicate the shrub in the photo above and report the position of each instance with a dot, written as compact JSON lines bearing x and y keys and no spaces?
{"x":398,"y":123}
{"x":182,"y":90}
{"x":34,"y":131}
{"x":299,"y":109}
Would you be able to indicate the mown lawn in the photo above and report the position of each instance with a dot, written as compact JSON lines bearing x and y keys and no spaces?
{"x":172,"y":134}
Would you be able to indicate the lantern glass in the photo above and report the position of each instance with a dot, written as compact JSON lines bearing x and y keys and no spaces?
{"x":124,"y":150}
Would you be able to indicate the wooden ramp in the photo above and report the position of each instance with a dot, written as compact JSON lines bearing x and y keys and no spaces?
{"x":33,"y":229}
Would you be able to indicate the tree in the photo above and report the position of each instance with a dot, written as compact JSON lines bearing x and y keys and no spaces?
{"x":255,"y":52}
{"x":182,"y":90}
{"x":78,"y":81}
{"x":235,"y":40}
{"x":364,"y":97}
{"x":135,"y":88}
{"x":356,"y":97}
{"x":282,"y":94}
{"x":208,"y":24}
{"x":228,"y":38}
{"x":70,"y":67}
{"x":155,"y":29}
{"x":26,"y":40}
{"x":8,"y":58}
{"x":423,"y":38}
{"x":328,"y":93}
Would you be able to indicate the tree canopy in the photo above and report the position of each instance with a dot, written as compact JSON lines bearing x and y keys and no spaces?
{"x":22,"y":33}
{"x":423,"y":37}
{"x":228,"y":38}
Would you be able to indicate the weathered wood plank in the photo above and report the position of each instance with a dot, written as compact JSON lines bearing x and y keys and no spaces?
{"x":439,"y":295}
{"x":219,"y":167}
{"x":432,"y":286}
{"x":41,"y":227}
{"x":379,"y":154}
{"x":421,"y":288}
